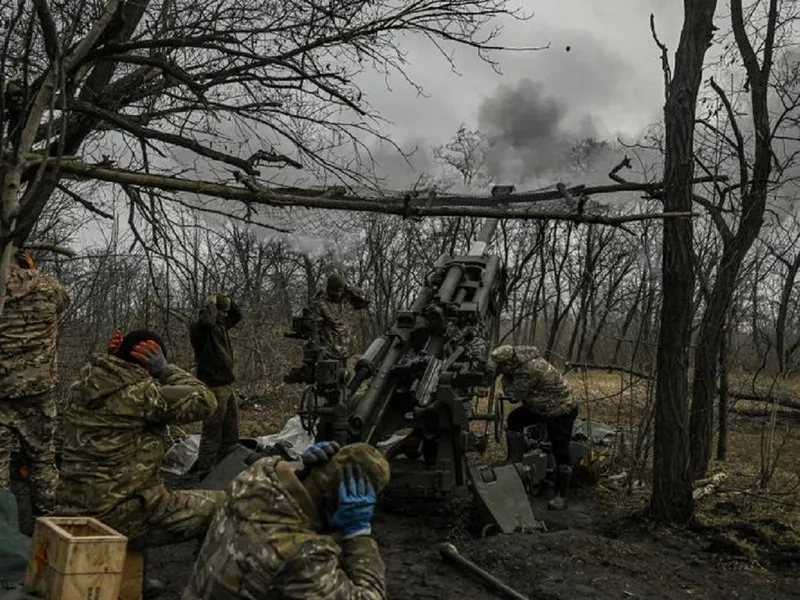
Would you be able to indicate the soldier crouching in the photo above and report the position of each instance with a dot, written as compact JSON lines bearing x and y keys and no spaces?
{"x":545,"y":396}
{"x":114,"y":427}
{"x":272,"y":538}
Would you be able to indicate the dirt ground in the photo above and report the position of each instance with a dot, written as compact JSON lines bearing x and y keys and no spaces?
{"x":745,"y":543}
{"x":583,"y":555}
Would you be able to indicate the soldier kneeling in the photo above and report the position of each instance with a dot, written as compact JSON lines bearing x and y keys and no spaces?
{"x":273,"y":537}
{"x":545,"y":398}
{"x":114,"y":444}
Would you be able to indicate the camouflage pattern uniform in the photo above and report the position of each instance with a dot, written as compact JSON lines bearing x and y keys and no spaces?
{"x":537,"y":384}
{"x":545,"y":398}
{"x":114,"y":444}
{"x":340,"y":322}
{"x":28,"y":375}
{"x":266,"y":542}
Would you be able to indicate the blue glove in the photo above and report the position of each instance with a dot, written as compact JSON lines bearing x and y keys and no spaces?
{"x":319,"y":453}
{"x":357,"y":499}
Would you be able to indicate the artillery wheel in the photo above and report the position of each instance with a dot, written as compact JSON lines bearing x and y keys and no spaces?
{"x":309,"y":411}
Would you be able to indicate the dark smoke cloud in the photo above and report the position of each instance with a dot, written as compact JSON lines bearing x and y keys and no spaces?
{"x":529,"y":132}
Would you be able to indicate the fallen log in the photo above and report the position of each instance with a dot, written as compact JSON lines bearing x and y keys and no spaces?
{"x":593,"y":367}
{"x":781,"y":399}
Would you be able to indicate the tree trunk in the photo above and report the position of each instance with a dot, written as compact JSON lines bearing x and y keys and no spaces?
{"x":724,"y":392}
{"x":706,"y":361}
{"x":754,"y":198}
{"x":671,"y":499}
{"x":783,"y":311}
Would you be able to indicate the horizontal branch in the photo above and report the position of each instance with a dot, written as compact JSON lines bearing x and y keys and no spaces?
{"x":326,"y":200}
{"x":779,"y":399}
{"x":559,"y":193}
{"x":63,"y":250}
{"x":593,"y":367}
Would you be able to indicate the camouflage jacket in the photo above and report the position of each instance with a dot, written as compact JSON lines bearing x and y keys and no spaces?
{"x":29,"y":333}
{"x":114,"y":426}
{"x":340,"y":321}
{"x":538,"y":385}
{"x":264,"y":543}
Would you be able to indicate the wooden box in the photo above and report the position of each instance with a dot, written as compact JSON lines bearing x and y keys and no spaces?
{"x":75,"y":558}
{"x":132,"y":587}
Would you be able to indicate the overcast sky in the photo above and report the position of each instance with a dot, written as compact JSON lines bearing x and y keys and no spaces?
{"x":610,"y":77}
{"x":609,"y":83}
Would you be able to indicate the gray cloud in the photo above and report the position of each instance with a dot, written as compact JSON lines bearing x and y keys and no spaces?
{"x":526,"y":131}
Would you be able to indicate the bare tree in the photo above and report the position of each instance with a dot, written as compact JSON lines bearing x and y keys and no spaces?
{"x":752,"y":188}
{"x":132,"y":83}
{"x":671,"y":499}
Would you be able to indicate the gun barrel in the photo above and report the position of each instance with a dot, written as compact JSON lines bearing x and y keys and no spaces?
{"x":369,"y":361}
{"x":484,"y":237}
{"x":362,"y":412}
{"x":489,"y":275}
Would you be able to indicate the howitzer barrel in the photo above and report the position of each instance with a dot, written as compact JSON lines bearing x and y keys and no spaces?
{"x":362,"y":412}
{"x":450,"y":283}
{"x":482,"y":295}
{"x":484,"y":237}
{"x":369,"y":361}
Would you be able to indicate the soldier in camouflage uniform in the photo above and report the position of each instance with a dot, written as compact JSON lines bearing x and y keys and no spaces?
{"x":272,"y":538}
{"x":545,"y":398}
{"x":337,"y":309}
{"x":114,"y":444}
{"x":28,"y":365}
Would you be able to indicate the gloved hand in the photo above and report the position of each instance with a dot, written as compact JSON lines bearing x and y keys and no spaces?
{"x":319,"y":453}
{"x":357,"y":499}
{"x":25,"y":258}
{"x":115,"y":341}
{"x":150,"y":356}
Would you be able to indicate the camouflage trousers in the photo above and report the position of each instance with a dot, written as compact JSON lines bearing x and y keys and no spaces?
{"x":220,"y":430}
{"x":31,"y":420}
{"x":165,"y":517}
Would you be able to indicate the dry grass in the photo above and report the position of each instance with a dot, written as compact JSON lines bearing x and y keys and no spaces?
{"x":621,"y":401}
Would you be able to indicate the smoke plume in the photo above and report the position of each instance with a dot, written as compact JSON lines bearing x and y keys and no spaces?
{"x":529,"y":133}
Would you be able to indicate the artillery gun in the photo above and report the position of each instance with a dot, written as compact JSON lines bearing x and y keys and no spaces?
{"x":419,"y":380}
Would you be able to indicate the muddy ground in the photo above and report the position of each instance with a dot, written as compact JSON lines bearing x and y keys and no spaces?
{"x":582,"y":555}
{"x":745,"y":544}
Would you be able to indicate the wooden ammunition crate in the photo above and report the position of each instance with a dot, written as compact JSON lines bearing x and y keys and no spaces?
{"x":75,"y":558}
{"x":132,"y":587}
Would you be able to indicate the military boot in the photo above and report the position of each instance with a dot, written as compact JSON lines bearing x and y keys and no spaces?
{"x":516,"y":446}
{"x":559,"y":502}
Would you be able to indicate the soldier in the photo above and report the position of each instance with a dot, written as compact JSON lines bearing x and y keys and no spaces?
{"x":272,"y":538}
{"x":214,"y":357}
{"x":28,"y":376}
{"x":545,"y":398}
{"x":114,"y":428}
{"x":337,"y":308}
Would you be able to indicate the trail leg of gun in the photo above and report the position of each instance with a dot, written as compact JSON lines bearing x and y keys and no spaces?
{"x":449,"y":553}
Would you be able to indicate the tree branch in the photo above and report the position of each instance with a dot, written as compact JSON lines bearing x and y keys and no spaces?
{"x":63,"y":250}
{"x":323,"y":200}
{"x":739,"y":146}
{"x":168,"y":138}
